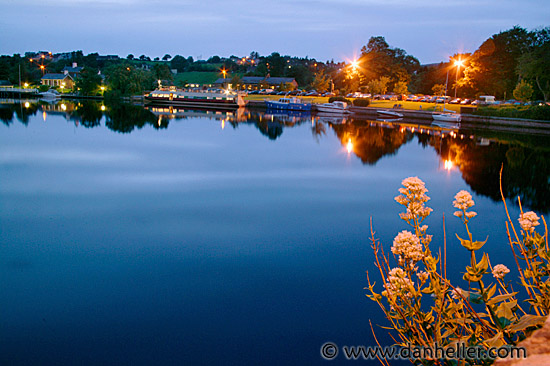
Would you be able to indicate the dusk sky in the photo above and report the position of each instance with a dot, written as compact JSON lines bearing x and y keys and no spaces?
{"x":322,"y":29}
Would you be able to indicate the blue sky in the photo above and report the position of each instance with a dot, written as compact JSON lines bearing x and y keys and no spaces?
{"x":323,"y":29}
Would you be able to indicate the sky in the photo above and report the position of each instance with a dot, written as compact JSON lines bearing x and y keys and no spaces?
{"x":430,"y":30}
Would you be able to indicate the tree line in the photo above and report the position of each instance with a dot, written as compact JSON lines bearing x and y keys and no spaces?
{"x":512,"y":63}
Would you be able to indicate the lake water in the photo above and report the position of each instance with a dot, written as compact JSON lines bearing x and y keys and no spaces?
{"x":130,"y":236}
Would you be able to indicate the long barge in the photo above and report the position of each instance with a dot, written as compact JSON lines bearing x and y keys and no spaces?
{"x":208,"y":99}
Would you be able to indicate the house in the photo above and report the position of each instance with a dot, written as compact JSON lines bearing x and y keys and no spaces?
{"x":259,"y":82}
{"x":73,"y":70}
{"x":58,"y":80}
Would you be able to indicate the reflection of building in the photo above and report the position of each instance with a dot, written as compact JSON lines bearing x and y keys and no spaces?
{"x":58,"y":80}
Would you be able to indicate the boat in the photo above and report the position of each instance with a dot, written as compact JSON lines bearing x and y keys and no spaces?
{"x":389,"y":114}
{"x":447,"y":117}
{"x":336,"y":107}
{"x":446,"y":125}
{"x":208,"y":99}
{"x":50,"y":94}
{"x":289,"y":104}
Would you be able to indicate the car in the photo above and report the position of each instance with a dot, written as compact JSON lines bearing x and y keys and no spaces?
{"x":476,"y":102}
{"x":254,"y":92}
{"x":465,"y":101}
{"x":455,"y":101}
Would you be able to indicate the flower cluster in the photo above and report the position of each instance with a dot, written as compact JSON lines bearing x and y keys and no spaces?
{"x":422,"y":276}
{"x":463,"y":201}
{"x":413,"y":196}
{"x":408,"y":247}
{"x":499,"y":271}
{"x":456,"y":293}
{"x":528,"y":221}
{"x":398,"y":284}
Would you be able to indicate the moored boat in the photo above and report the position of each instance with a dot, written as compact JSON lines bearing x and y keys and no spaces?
{"x":209,"y":99}
{"x":291,"y":104}
{"x":447,"y":117}
{"x":389,"y":114}
{"x":50,"y":94}
{"x":336,"y":107}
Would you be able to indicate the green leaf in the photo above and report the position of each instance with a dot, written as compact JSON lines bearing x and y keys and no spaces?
{"x":483,"y":263}
{"x":476,"y":298}
{"x":500,"y":298}
{"x":527,"y":321}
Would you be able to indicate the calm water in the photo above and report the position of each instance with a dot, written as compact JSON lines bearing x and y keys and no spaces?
{"x":147,"y":237}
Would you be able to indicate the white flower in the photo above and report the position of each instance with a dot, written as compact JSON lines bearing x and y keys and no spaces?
{"x":499,"y":271}
{"x":463,"y":200}
{"x":528,"y":221}
{"x":455,"y":294}
{"x":458,"y":213}
{"x":422,"y":276}
{"x":471,"y":214}
{"x":407,"y":245}
{"x":398,"y":284}
{"x":413,"y":197}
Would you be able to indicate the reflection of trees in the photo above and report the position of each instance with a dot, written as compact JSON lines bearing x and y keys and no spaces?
{"x":125,"y":117}
{"x":6,"y":114}
{"x":526,"y":170}
{"x":23,"y":113}
{"x":270,"y":129}
{"x":371,"y":143}
{"x":89,"y":114}
{"x":318,"y":130}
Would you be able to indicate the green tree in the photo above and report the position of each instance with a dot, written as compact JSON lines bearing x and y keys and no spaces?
{"x":179,"y":63}
{"x":401,"y":88}
{"x":523,"y":91}
{"x":124,"y":79}
{"x":162,"y":72}
{"x":166,"y":57}
{"x":236,"y":82}
{"x":535,"y":65}
{"x":130,"y":57}
{"x":438,"y":89}
{"x":378,"y":86}
{"x":493,"y":67}
{"x":88,"y":82}
{"x":321,"y":83}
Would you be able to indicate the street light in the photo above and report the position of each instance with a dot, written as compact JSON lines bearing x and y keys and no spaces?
{"x":458,"y":63}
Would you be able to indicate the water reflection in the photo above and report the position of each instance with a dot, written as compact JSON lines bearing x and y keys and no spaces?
{"x":477,"y":155}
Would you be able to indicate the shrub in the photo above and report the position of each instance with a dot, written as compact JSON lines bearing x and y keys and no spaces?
{"x":43,"y":88}
{"x":426,"y":309}
{"x":339,"y":99}
{"x":361,"y":102}
{"x":529,"y":112}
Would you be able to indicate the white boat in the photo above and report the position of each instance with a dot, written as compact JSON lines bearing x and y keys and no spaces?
{"x":207,"y":99}
{"x":337,"y":107}
{"x":389,"y":114}
{"x":447,"y":117}
{"x":50,"y":94}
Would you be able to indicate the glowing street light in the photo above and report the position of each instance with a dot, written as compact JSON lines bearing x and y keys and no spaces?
{"x":26,"y":85}
{"x":224,"y":71}
{"x":458,"y":63}
{"x":354,"y":65}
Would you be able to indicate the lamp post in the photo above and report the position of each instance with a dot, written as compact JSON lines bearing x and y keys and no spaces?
{"x":458,"y":64}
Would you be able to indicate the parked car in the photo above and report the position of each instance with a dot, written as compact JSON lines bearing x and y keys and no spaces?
{"x":455,"y":101}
